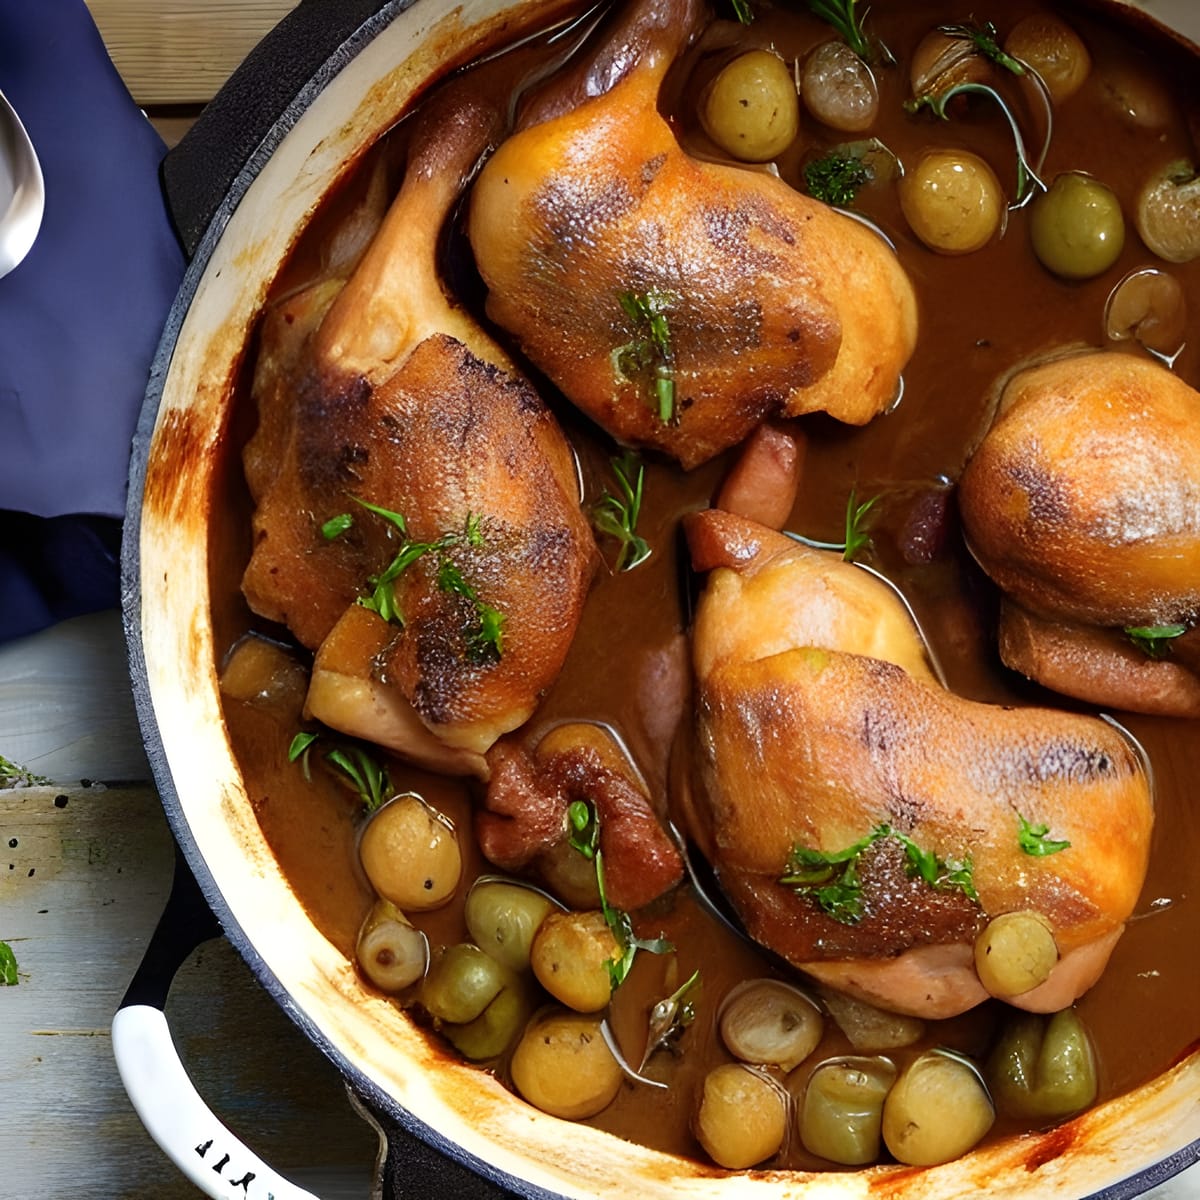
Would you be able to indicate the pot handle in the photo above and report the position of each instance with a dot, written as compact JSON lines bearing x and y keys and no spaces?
{"x":309,"y":45}
{"x":169,"y":1106}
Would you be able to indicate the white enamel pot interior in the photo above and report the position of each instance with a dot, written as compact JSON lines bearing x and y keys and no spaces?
{"x":1118,"y":1149}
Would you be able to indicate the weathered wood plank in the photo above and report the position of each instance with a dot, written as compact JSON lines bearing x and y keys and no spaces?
{"x":83,"y":877}
{"x":181,"y":51}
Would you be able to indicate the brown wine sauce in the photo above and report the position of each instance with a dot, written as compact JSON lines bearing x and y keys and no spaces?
{"x":980,"y":315}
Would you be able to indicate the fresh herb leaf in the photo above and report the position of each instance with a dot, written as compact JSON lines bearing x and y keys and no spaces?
{"x":356,"y":764}
{"x":836,"y":178}
{"x":474,"y":530}
{"x":1028,"y":182}
{"x":336,"y":526}
{"x":856,"y":536}
{"x":742,"y":10}
{"x":985,"y":40}
{"x":14,"y":776}
{"x":1154,"y":641}
{"x":842,"y":16}
{"x":670,"y":1017}
{"x":585,"y":831}
{"x":393,"y":518}
{"x":617,"y":516}
{"x":584,"y":836}
{"x":649,"y":357}
{"x":485,"y":639}
{"x":831,"y":877}
{"x":1034,"y":839}
{"x":8,"y":966}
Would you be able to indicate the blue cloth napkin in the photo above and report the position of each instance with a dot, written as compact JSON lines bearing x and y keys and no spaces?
{"x":79,"y":319}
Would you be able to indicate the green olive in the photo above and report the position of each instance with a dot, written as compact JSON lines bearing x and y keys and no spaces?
{"x":1042,"y":1068}
{"x":1054,"y":50}
{"x":461,"y":982}
{"x":751,"y":109}
{"x":1168,"y":212}
{"x":839,"y":89}
{"x":771,"y":1023}
{"x":491,"y":1033}
{"x":952,"y":200}
{"x":843,"y":1109}
{"x":563,"y":1065}
{"x":411,"y":855}
{"x":503,"y":917}
{"x":1015,"y":953}
{"x":570,"y":956}
{"x":390,"y":952}
{"x":1077,"y":228}
{"x":937,"y":1110}
{"x":742,"y":1116}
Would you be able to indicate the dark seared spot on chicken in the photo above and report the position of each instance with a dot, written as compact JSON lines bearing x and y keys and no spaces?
{"x":1048,"y":503}
{"x":651,"y":168}
{"x":572,"y":211}
{"x":730,"y":230}
{"x":1071,"y":762}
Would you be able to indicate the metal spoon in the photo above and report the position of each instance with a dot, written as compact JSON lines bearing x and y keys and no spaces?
{"x":22,"y":189}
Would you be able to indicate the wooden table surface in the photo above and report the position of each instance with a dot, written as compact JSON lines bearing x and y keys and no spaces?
{"x":90,"y":858}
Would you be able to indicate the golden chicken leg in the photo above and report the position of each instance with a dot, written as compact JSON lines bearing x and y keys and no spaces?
{"x":678,"y":303}
{"x":417,"y":518}
{"x":866,"y":823}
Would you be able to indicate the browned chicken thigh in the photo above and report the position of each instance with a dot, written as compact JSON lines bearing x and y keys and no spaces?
{"x":1083,"y":504}
{"x":442,"y":599}
{"x":677,"y":302}
{"x":866,"y":823}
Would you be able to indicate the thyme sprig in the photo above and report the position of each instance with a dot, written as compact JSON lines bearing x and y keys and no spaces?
{"x":484,"y":638}
{"x":584,"y":837}
{"x":368,"y":777}
{"x":649,"y":357}
{"x":985,"y":39}
{"x":1029,"y":182}
{"x":842,"y":16}
{"x":742,"y":11}
{"x":857,"y":538}
{"x":617,"y":516}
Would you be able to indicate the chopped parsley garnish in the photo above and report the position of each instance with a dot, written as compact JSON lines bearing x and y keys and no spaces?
{"x":1035,"y":840}
{"x":584,"y":837}
{"x":358,"y":766}
{"x":1154,"y":641}
{"x":649,"y":358}
{"x":836,"y":178}
{"x":831,"y":877}
{"x":484,"y":638}
{"x":856,"y":518}
{"x":8,"y":966}
{"x":617,"y":516}
{"x":14,"y":776}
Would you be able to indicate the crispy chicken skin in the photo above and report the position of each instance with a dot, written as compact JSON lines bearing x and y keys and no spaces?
{"x":378,"y":390}
{"x":818,"y":719}
{"x":775,"y":304}
{"x":1083,"y":505}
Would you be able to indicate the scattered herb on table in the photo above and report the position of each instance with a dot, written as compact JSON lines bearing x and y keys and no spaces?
{"x":8,"y":966}
{"x":1035,"y":839}
{"x":617,"y":516}
{"x":12,"y":775}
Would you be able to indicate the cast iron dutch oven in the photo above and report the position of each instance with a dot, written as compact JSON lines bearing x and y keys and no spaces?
{"x":322,"y":87}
